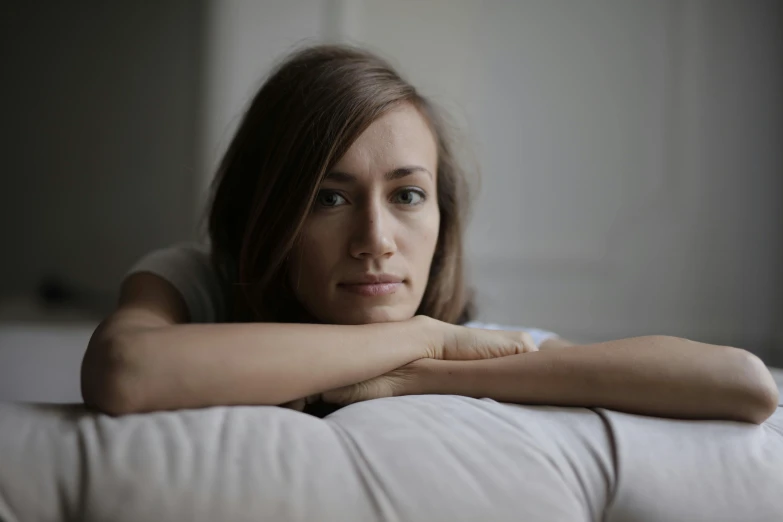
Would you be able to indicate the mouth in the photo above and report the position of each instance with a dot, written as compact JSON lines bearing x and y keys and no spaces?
{"x":370,"y":285}
{"x":372,"y":289}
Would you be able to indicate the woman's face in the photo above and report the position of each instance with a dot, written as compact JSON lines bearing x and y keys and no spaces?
{"x":366,"y":248}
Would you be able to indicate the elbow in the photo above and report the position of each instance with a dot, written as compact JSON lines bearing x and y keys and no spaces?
{"x":109,"y":377}
{"x":761,"y":391}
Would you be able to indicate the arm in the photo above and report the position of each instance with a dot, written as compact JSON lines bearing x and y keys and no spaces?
{"x":143,"y":357}
{"x":654,"y":375}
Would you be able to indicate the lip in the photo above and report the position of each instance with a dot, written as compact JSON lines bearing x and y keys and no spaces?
{"x":370,"y":285}
{"x":373,"y":279}
{"x":372,"y":289}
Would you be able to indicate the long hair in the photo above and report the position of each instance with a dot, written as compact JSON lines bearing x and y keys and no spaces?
{"x":304,"y":118}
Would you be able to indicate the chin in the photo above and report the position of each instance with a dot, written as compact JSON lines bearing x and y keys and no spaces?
{"x":371,"y":315}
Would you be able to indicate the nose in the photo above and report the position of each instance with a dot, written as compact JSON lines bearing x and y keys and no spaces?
{"x":372,"y":236}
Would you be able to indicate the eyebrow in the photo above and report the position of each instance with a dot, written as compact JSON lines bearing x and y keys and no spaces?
{"x":400,"y":172}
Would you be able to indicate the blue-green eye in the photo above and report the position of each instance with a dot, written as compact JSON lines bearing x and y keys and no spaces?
{"x":410,"y":197}
{"x":329,"y":198}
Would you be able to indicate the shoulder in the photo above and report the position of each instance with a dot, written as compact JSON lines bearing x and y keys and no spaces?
{"x":539,"y":335}
{"x":187,"y":266}
{"x":189,"y":252}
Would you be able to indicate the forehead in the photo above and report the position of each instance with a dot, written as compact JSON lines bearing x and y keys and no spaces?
{"x":401,"y":136}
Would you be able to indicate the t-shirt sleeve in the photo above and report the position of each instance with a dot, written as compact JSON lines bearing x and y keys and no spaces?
{"x":538,"y":335}
{"x":188,"y":268}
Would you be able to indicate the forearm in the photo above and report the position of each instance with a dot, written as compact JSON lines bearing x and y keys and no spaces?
{"x":655,"y":375}
{"x":200,"y":365}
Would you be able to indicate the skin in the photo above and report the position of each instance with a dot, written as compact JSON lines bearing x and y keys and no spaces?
{"x":366,"y":221}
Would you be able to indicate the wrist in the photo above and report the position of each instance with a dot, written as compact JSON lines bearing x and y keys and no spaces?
{"x":428,"y":336}
{"x":438,"y":377}
{"x":404,"y":341}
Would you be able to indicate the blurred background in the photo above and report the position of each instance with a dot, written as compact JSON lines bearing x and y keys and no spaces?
{"x":631,"y":154}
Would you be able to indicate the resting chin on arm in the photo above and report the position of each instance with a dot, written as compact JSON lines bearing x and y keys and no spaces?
{"x":654,"y":375}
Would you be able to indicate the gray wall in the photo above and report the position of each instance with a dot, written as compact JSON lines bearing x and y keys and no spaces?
{"x":243,"y":40}
{"x":100,"y":125}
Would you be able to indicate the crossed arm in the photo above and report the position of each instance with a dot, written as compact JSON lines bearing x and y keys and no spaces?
{"x":144,"y":358}
{"x":652,"y":375}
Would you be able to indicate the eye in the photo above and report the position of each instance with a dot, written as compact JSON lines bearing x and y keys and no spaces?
{"x":410,"y":197}
{"x":329,"y":198}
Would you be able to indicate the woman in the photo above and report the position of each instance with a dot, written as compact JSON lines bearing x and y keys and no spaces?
{"x":335,"y":273}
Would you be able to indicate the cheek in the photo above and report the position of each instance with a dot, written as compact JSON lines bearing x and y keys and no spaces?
{"x":432,"y":230}
{"x":422,"y":240}
{"x":314,"y":254}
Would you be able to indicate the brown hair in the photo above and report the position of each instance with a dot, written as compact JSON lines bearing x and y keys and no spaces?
{"x":299,"y":124}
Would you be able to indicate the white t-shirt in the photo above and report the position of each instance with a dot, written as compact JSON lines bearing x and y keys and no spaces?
{"x":188,"y":268}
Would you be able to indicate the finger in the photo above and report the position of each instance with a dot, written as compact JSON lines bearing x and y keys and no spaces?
{"x":312,"y":398}
{"x":530,"y":345}
{"x":343,"y":396}
{"x":523,"y":341}
{"x":298,"y":405}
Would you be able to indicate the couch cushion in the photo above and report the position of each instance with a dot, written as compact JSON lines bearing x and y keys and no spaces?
{"x":409,"y":458}
{"x":427,"y":458}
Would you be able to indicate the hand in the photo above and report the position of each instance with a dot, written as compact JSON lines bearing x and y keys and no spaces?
{"x":459,"y":343}
{"x":299,"y":404}
{"x":402,"y":381}
{"x":444,"y":341}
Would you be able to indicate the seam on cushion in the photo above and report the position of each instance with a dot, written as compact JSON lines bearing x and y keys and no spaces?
{"x":770,"y":426}
{"x":543,"y":453}
{"x":615,"y":463}
{"x":365,"y":471}
{"x":583,"y":482}
{"x":78,"y":513}
{"x":515,"y":425}
{"x":5,"y":511}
